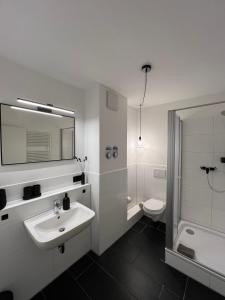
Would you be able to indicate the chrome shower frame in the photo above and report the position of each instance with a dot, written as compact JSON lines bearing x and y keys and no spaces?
{"x":171,"y":159}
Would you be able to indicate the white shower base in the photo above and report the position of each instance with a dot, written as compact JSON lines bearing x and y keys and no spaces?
{"x":208,"y":267}
{"x":209,"y":245}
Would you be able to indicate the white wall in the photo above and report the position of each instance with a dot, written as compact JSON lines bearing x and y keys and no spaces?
{"x":113,"y":131}
{"x":142,"y":185}
{"x":17,"y":81}
{"x":153,"y":155}
{"x":108,"y":178}
{"x":132,"y":133}
{"x":113,"y":172}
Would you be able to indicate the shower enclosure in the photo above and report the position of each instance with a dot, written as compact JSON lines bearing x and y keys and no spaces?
{"x":195,"y":237}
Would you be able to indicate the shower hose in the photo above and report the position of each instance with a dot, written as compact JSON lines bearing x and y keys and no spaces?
{"x":211,"y":186}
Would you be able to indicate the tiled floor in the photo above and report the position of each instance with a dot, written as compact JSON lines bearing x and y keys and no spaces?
{"x":133,"y":268}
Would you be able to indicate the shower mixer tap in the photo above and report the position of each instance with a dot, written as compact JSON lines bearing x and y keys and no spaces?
{"x":207,"y":169}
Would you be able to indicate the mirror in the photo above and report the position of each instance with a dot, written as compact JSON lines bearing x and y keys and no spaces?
{"x":29,"y":137}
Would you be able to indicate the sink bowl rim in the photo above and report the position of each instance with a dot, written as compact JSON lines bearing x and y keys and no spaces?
{"x":32,"y":222}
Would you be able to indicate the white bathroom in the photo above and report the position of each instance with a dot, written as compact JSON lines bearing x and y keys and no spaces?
{"x":112,"y":119}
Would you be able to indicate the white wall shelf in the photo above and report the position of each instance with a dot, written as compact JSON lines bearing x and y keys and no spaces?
{"x":19,"y":202}
{"x":25,"y":182}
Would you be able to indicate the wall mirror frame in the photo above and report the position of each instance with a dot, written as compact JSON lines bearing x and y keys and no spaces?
{"x":29,"y":137}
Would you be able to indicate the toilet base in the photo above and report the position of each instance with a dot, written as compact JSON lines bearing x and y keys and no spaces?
{"x":152,"y":217}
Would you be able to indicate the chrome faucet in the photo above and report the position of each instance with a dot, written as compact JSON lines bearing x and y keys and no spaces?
{"x":57,"y":207}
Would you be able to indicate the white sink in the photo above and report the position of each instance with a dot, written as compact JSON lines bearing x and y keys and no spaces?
{"x":49,"y":230}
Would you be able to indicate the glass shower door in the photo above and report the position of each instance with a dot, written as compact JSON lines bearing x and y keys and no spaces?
{"x":173,"y":177}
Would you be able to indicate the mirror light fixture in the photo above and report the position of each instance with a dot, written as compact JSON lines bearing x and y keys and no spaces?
{"x":48,"y":107}
{"x":36,"y":111}
{"x":146,"y":69}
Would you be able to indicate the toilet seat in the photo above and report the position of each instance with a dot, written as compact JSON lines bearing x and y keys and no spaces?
{"x":154,"y":206}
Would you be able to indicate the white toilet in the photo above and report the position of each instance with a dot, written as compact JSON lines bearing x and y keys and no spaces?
{"x":154,"y":208}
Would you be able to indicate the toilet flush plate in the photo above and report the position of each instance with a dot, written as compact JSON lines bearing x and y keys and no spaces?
{"x":159,"y":173}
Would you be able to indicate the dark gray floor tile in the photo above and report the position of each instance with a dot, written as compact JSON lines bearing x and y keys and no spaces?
{"x":149,"y":241}
{"x":196,"y":291}
{"x":92,"y":255}
{"x":100,"y":285}
{"x":162,"y":273}
{"x":144,"y":220}
{"x":168,"y":295}
{"x":39,"y":296}
{"x":162,"y":227}
{"x":64,"y":287}
{"x":142,"y":237}
{"x":128,"y":251}
{"x":139,"y":227}
{"x":6,"y":295}
{"x":80,"y":266}
{"x":155,"y":236}
{"x":153,"y":242}
{"x":148,"y":221}
{"x":174,"y":280}
{"x":124,"y":247}
{"x":137,"y":282}
{"x":133,"y":237}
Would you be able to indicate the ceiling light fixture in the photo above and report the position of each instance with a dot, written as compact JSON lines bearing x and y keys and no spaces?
{"x":146,"y":69}
{"x":48,"y":106}
{"x":36,"y":111}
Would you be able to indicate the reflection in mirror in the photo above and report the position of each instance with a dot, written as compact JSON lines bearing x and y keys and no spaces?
{"x":30,"y":137}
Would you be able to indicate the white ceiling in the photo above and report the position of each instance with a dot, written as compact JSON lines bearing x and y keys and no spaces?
{"x":81,"y":41}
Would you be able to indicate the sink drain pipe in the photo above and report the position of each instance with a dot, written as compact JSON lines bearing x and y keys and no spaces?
{"x":61,"y":248}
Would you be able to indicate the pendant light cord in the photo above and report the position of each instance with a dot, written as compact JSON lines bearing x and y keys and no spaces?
{"x":146,"y":80}
{"x":140,"y":120}
{"x":143,"y":99}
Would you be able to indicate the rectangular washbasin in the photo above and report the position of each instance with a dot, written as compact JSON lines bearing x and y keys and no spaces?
{"x":49,"y":230}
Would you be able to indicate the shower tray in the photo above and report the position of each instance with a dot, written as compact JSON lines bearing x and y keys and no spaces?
{"x":208,"y":266}
{"x":209,"y":245}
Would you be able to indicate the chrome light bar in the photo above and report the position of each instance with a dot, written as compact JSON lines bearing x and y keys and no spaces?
{"x":36,"y":111}
{"x":36,"y":104}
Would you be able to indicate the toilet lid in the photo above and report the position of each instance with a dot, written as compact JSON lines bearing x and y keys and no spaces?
{"x":154,"y":205}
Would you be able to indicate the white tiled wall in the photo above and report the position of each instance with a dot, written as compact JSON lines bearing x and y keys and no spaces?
{"x":142,"y":185}
{"x":203,"y":144}
{"x":108,"y":177}
{"x":132,"y":132}
{"x":113,"y":207}
{"x":132,"y":184}
{"x":154,"y":187}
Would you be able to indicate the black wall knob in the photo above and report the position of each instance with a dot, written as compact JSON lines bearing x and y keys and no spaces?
{"x":3,"y":200}
{"x":27,"y":192}
{"x":222,"y":160}
{"x":36,"y":190}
